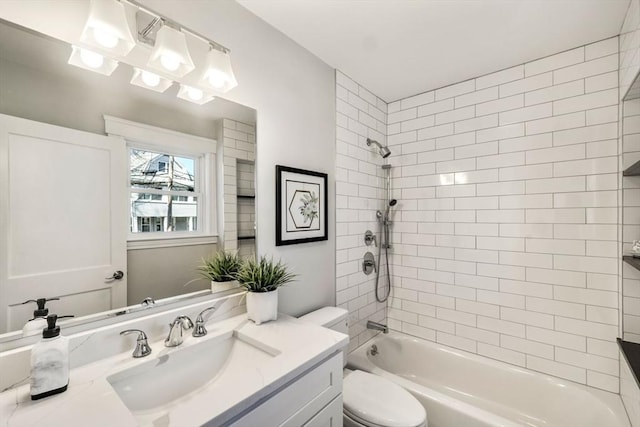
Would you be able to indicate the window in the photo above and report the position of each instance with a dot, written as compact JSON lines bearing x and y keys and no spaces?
{"x":167,"y":199}
{"x":171,"y":179}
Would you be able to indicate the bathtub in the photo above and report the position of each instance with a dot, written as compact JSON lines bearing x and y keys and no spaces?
{"x":460,"y":389}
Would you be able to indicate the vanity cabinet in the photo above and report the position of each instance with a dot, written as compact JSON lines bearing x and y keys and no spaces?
{"x":312,"y":399}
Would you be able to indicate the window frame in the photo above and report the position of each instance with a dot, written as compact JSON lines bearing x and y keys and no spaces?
{"x":165,"y":141}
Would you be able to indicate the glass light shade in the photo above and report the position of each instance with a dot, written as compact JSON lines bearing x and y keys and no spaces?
{"x":107,"y":27}
{"x":194,"y":94}
{"x":218,"y":74}
{"x":92,"y":61}
{"x":149,"y":80}
{"x":170,"y":54}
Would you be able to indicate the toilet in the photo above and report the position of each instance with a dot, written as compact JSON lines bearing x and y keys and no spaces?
{"x":369,"y":400}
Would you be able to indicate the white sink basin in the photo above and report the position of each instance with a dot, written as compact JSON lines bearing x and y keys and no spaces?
{"x":154,"y":386}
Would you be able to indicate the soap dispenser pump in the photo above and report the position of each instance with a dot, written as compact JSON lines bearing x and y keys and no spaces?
{"x":39,"y":322}
{"x":50,"y":361}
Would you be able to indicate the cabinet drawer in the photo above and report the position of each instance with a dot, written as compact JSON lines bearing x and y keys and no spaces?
{"x":300,"y":400}
{"x":330,"y":416}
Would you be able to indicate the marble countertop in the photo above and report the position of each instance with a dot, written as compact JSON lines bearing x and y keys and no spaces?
{"x":90,"y":399}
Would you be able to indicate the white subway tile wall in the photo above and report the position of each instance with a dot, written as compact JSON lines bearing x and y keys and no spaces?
{"x":506,"y":225}
{"x":359,"y":192}
{"x":629,"y":197}
{"x":239,"y":141}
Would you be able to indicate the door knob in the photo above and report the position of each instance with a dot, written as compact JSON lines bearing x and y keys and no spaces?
{"x":117,"y":275}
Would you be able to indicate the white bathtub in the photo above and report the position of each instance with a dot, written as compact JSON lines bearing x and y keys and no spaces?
{"x":460,"y":389}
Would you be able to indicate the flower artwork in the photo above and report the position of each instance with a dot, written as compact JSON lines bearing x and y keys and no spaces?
{"x":301,"y":206}
{"x":309,"y":208}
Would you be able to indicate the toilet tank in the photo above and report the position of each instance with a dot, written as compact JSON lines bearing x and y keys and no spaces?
{"x":334,"y":318}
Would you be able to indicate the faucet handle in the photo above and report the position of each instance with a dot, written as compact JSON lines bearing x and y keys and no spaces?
{"x":142,"y":346}
{"x":186,"y":322}
{"x":199,"y":330}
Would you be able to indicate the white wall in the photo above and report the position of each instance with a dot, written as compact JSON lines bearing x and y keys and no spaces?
{"x":359,"y":184}
{"x":293,"y":92}
{"x":507,"y":187}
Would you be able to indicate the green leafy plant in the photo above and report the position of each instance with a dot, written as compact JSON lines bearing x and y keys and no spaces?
{"x":221,"y":266}
{"x":263,"y":275}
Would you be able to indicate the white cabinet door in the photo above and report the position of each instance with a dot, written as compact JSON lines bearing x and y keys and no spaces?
{"x":63,"y":220}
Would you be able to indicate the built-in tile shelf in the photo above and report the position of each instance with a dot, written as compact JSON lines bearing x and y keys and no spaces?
{"x":246,"y":237}
{"x":631,"y":352}
{"x":242,"y":196}
{"x":633,"y":261}
{"x":633,"y":170}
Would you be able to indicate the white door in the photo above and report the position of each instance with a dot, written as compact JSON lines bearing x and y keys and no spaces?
{"x":63,"y":220}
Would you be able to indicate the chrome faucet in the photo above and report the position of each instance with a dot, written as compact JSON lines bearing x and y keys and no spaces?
{"x":199,"y":330}
{"x":176,"y":327}
{"x":142,"y":346}
{"x":377,"y":327}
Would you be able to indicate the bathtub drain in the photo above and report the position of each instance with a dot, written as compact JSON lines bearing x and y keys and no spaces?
{"x":374,"y":349}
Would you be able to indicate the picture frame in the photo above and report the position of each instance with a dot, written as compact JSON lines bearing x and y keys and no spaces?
{"x":301,"y":206}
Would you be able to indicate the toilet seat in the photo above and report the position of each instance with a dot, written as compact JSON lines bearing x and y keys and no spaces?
{"x":375,"y":401}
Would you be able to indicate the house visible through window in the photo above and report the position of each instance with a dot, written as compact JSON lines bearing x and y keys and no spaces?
{"x":164,"y":194}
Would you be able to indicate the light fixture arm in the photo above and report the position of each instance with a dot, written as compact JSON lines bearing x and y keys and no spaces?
{"x":144,"y":34}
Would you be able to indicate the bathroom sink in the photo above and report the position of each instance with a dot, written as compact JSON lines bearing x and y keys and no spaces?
{"x":154,"y":386}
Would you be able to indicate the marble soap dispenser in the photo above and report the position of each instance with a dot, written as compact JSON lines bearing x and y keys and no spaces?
{"x":50,"y":361}
{"x":39,"y":321}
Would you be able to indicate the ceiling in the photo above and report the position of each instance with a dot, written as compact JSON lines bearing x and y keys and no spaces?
{"x":399,"y":48}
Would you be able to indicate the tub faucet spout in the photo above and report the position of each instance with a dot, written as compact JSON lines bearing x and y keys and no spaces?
{"x":377,"y":327}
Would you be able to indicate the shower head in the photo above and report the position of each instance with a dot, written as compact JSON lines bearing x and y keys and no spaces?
{"x":392,"y":202}
{"x":382,"y":150}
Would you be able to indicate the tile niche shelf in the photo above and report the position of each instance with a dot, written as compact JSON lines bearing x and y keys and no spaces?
{"x":631,"y":352}
{"x":633,"y":261}
{"x":633,"y":170}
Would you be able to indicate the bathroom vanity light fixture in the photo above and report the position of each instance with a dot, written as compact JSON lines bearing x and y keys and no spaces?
{"x":107,"y":39}
{"x":170,"y":53}
{"x":218,"y":74}
{"x":149,"y":80}
{"x":107,"y":28}
{"x":194,"y":95}
{"x":92,"y":61}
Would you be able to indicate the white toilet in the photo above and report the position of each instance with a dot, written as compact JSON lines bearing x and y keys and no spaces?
{"x":369,"y":400}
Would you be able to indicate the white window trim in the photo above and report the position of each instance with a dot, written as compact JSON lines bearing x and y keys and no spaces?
{"x":152,"y":138}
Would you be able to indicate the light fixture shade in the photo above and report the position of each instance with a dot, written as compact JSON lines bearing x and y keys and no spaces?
{"x":92,"y":61}
{"x":107,"y":27}
{"x":218,"y":74}
{"x":170,"y":54}
{"x":195,"y":95}
{"x":149,"y":80}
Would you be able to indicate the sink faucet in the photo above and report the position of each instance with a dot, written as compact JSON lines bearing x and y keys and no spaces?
{"x":176,"y":327}
{"x":199,"y":330}
{"x":142,"y":347}
{"x":377,"y":327}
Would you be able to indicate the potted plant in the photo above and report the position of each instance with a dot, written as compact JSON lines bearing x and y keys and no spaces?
{"x":262,"y":279}
{"x":221,"y":268}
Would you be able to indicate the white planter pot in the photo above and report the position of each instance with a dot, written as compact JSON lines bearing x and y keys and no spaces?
{"x":262,"y":306}
{"x":223,"y":286}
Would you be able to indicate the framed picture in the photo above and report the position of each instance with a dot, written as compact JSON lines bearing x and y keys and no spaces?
{"x":301,"y":206}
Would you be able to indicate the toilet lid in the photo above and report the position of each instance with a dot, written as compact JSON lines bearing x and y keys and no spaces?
{"x":376,"y":401}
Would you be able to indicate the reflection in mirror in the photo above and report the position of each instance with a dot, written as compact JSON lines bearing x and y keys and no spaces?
{"x":162,"y":200}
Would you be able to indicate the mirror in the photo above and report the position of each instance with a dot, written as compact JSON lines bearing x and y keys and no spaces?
{"x":36,"y":83}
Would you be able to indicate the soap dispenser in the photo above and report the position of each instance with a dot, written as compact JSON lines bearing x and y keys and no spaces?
{"x":39,"y":322}
{"x":50,"y":361}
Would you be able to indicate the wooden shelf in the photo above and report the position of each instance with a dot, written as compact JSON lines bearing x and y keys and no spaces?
{"x":631,"y":353}
{"x":634,"y":262}
{"x":633,"y":170}
{"x":246,"y":237}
